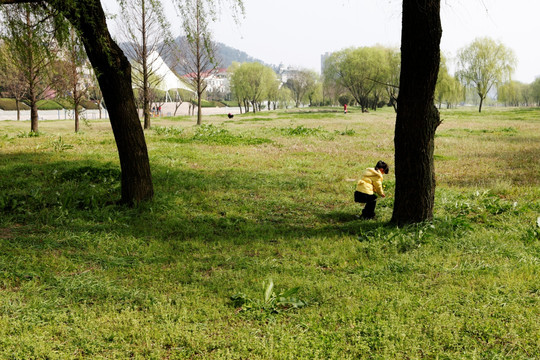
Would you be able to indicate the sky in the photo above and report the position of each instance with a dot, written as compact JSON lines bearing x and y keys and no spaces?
{"x":297,"y":32}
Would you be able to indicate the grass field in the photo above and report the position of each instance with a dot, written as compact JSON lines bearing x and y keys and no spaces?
{"x":252,"y":248}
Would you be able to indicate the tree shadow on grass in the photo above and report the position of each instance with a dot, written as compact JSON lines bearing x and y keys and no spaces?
{"x":209,"y":205}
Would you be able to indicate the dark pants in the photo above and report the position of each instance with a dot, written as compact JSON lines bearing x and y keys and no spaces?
{"x":369,"y":200}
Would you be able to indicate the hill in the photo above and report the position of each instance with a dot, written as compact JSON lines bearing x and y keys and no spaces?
{"x":226,"y":54}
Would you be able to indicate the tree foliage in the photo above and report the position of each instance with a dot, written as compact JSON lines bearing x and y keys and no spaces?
{"x":484,"y":64}
{"x":252,"y":83}
{"x":365,"y":72}
{"x":303,"y":85}
{"x":448,"y":89}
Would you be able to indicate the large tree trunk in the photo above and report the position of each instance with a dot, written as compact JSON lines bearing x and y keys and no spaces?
{"x":114,"y":76}
{"x":417,"y":117}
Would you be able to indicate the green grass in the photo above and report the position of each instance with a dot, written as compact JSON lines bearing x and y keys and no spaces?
{"x":187,"y":275}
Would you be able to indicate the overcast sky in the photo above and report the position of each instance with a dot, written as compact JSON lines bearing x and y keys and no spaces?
{"x":298,"y":32}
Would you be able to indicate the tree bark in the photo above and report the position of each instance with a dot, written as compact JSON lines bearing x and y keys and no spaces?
{"x":34,"y":123}
{"x":114,"y":76}
{"x":481,"y":102}
{"x":17,"y":104}
{"x":417,"y":117}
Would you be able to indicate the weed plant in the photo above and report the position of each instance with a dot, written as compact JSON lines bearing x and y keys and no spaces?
{"x":240,"y":205}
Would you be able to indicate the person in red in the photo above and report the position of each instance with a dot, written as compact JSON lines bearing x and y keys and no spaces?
{"x":344,"y":108}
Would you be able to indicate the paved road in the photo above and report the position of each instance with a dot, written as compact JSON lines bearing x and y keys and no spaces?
{"x":167,"y":110}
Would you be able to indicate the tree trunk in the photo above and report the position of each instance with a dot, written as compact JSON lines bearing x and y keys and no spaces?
{"x":99,"y":107}
{"x":481,"y":102}
{"x":33,"y":112}
{"x":76,"y":100}
{"x":146,"y":86}
{"x":199,"y":109}
{"x":76,"y":112}
{"x":417,"y":117}
{"x":17,"y":104}
{"x":114,"y":76}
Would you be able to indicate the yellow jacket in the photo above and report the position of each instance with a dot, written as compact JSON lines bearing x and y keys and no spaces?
{"x":370,"y":182}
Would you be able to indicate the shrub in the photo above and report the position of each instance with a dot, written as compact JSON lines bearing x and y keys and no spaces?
{"x":10,"y":104}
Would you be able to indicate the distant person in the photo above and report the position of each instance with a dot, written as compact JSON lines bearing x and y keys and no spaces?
{"x":230,"y":116}
{"x":344,"y":108}
{"x":368,"y":185}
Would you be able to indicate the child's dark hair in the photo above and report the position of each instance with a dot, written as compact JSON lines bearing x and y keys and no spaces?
{"x":382,"y":165}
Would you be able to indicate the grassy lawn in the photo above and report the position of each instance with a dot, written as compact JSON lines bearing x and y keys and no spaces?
{"x":261,"y":200}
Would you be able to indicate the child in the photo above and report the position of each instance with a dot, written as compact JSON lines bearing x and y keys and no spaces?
{"x":370,"y":182}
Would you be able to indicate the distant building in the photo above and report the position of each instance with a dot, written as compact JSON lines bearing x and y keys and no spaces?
{"x":324,"y":57}
{"x":285,"y":73}
{"x":216,"y":81}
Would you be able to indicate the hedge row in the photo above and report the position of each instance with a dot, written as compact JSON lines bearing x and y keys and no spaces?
{"x":58,"y":104}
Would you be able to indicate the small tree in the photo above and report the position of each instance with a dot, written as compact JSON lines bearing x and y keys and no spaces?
{"x":71,"y":74}
{"x":28,"y":35}
{"x":12,"y":78}
{"x":484,"y":64}
{"x":94,"y":92}
{"x":199,"y":60}
{"x":145,"y":30}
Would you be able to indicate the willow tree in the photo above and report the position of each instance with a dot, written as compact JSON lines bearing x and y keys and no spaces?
{"x":359,"y":70}
{"x":417,"y":117}
{"x":251,"y":83}
{"x":484,"y":64}
{"x":302,"y":82}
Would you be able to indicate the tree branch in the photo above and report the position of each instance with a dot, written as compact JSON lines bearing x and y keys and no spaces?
{"x":7,"y":2}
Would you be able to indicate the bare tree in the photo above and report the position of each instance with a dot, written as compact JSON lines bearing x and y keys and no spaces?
{"x":72,"y":74}
{"x":94,"y":92}
{"x":12,"y":78}
{"x":199,"y":60}
{"x":145,"y":29}
{"x":178,"y":101}
{"x":27,"y":31}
